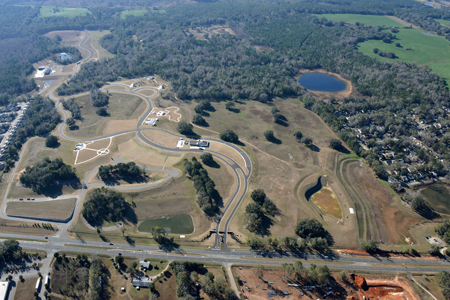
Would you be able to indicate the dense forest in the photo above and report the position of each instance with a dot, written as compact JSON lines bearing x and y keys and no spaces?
{"x":104,"y":205}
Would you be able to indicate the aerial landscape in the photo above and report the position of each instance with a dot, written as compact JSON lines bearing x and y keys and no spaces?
{"x":225,"y":149}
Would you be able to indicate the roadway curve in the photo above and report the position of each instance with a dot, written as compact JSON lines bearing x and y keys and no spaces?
{"x":234,"y":203}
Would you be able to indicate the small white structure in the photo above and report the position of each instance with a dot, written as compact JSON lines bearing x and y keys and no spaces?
{"x":47,"y":280}
{"x":144,"y":264}
{"x":141,"y":282}
{"x":351,"y":210}
{"x":160,"y":113}
{"x":133,"y":85}
{"x":151,"y":122}
{"x":4,"y":288}
{"x":41,"y":72}
{"x":38,"y":283}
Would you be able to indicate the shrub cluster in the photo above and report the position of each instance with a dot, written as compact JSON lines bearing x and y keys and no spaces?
{"x":204,"y":186}
{"x":72,"y":106}
{"x":121,"y":170}
{"x":98,"y":98}
{"x":104,"y":204}
{"x":46,"y":174}
{"x":257,"y":210}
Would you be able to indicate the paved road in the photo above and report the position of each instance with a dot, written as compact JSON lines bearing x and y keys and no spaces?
{"x":59,"y":241}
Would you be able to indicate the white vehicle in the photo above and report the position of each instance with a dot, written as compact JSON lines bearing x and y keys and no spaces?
{"x":38,"y":283}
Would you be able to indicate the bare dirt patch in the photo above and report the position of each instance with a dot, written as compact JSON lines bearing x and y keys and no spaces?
{"x":55,"y":209}
{"x":200,"y":32}
{"x":25,"y":289}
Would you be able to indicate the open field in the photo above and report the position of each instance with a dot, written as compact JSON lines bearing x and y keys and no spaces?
{"x":368,"y":20}
{"x":418,"y":234}
{"x":56,"y":209}
{"x":326,"y":200}
{"x":25,"y":289}
{"x":60,"y":11}
{"x":167,"y":286}
{"x":120,"y":107}
{"x":425,"y":49}
{"x":95,"y":40}
{"x":438,"y":196}
{"x":443,"y":22}
{"x":68,"y":37}
{"x":210,"y":31}
{"x":179,"y":224}
{"x":429,"y":282}
{"x":116,"y":126}
{"x":136,"y":13}
{"x":383,"y":218}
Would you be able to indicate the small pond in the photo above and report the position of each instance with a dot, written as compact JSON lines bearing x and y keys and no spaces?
{"x":438,"y":196}
{"x":321,"y":82}
{"x":180,"y":224}
{"x":65,"y":56}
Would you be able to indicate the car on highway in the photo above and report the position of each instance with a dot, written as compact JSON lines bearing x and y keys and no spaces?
{"x":21,"y":199}
{"x":78,"y":62}
{"x":111,"y":244}
{"x":46,"y":237}
{"x":28,"y":199}
{"x":32,"y":199}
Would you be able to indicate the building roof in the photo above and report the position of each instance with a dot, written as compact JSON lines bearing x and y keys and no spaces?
{"x":144,"y":264}
{"x":4,"y":286}
{"x":141,"y":282}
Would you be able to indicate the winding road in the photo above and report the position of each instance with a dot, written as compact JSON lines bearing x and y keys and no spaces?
{"x":220,"y":253}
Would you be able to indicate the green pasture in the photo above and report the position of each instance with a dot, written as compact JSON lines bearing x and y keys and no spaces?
{"x":443,"y":22}
{"x":181,"y":224}
{"x":134,"y":12}
{"x":424,"y":49}
{"x":59,"y":11}
{"x":438,"y":197}
{"x":369,"y":20}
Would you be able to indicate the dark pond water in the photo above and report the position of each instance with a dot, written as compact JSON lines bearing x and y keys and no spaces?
{"x":321,"y":82}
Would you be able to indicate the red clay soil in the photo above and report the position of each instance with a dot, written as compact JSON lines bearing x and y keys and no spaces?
{"x":386,"y":254}
{"x":383,"y":289}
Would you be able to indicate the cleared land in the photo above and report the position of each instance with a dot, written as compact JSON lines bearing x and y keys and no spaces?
{"x":60,"y":11}
{"x":67,"y":36}
{"x":368,"y":20}
{"x":200,"y":32}
{"x":120,"y":107}
{"x":135,"y":12}
{"x":116,"y":126}
{"x":55,"y":209}
{"x":25,"y":289}
{"x":438,"y":196}
{"x":326,"y":200}
{"x":429,"y":282}
{"x":95,"y":40}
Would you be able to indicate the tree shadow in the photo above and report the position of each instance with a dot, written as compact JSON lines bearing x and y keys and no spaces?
{"x":342,"y":149}
{"x":275,"y":141}
{"x":114,"y":179}
{"x":282,"y":123}
{"x":205,"y":114}
{"x":235,"y":110}
{"x":239,"y":143}
{"x":313,"y":148}
{"x":213,"y":164}
{"x":74,"y":127}
{"x":55,"y":190}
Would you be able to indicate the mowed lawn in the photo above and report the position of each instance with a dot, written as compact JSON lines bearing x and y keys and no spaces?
{"x":135,"y":12}
{"x":443,"y":22}
{"x":59,"y":11}
{"x":120,"y":107}
{"x":369,"y":20}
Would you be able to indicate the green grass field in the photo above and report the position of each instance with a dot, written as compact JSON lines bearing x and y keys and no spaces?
{"x":443,"y":22}
{"x":58,"y":11}
{"x":96,"y":36}
{"x":136,"y":13}
{"x":369,"y":20}
{"x":425,"y":49}
{"x":178,"y":224}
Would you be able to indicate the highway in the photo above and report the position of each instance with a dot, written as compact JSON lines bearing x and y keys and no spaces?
{"x":220,"y":253}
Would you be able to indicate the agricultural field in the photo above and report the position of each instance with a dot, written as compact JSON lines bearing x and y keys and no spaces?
{"x":120,"y":107}
{"x":136,"y":13}
{"x":443,"y":22}
{"x":95,"y":40}
{"x":54,"y":209}
{"x":59,"y":11}
{"x":368,"y":20}
{"x":438,"y":196}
